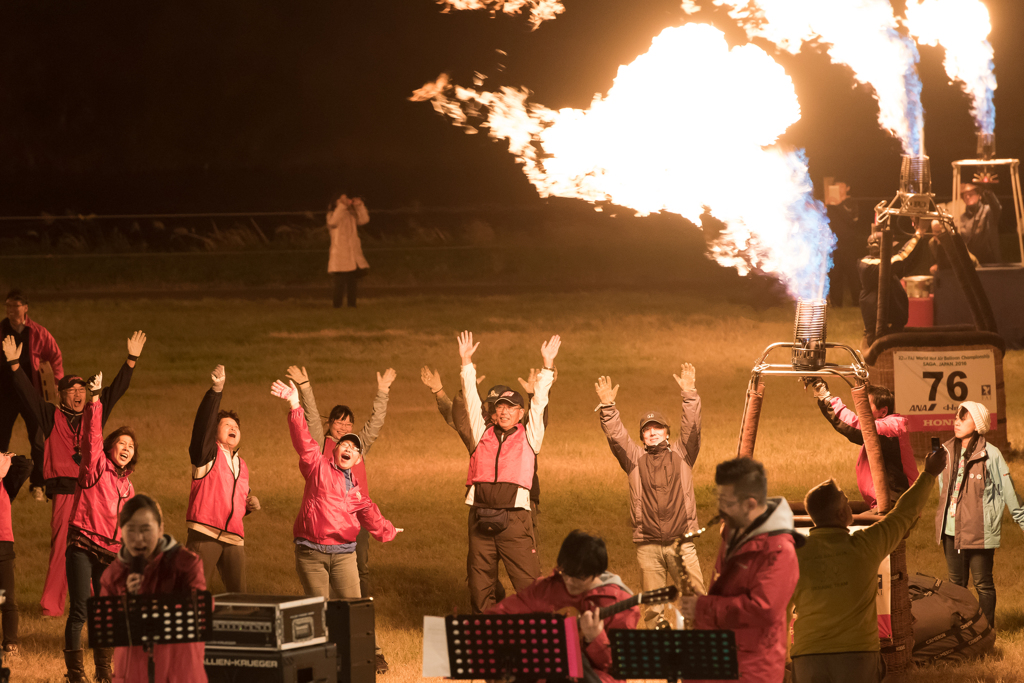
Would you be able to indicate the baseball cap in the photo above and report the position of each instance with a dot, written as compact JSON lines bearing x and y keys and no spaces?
{"x":653,"y":416}
{"x":511,"y":397}
{"x":354,"y":438}
{"x":494,"y":392}
{"x":67,"y":381}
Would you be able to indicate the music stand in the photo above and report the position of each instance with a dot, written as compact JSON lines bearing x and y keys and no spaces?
{"x":527,"y":646}
{"x":674,"y":655}
{"x":148,"y":620}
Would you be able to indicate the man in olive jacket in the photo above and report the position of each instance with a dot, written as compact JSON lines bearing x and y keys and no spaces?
{"x":660,"y":473}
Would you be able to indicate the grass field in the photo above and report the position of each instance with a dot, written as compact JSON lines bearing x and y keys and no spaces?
{"x":417,"y":468}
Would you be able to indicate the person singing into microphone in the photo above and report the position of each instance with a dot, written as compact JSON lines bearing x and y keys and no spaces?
{"x":151,"y":561}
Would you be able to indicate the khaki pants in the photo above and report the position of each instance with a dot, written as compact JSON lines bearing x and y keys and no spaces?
{"x":327,"y":575}
{"x":516,"y":546}
{"x":227,"y":559}
{"x":659,"y":567}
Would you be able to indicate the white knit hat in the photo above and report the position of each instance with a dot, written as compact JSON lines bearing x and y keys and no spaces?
{"x":979,"y":413}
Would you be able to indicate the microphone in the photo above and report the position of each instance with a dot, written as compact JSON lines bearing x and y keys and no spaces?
{"x":138,"y":565}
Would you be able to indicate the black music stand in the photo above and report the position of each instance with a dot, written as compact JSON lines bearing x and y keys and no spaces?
{"x":527,"y":646}
{"x":148,"y":620}
{"x":674,"y":655}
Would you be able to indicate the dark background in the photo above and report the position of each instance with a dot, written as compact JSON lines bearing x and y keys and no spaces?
{"x":243,"y":105}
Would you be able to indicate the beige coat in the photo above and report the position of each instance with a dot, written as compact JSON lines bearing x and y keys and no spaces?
{"x":346,"y":249}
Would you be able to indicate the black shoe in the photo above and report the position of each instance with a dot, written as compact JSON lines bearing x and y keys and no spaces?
{"x":382,"y":664}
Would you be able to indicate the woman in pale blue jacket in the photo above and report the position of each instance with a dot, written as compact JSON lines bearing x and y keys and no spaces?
{"x":973,"y":490}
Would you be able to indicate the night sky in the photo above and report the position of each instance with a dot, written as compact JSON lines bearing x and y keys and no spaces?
{"x":247,"y":105}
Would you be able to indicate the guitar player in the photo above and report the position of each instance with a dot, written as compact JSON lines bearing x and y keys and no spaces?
{"x":580,"y":581}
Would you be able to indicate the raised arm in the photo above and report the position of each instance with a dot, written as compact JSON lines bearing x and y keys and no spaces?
{"x":27,"y":393}
{"x":113,"y":393}
{"x":688,"y":440}
{"x":91,"y":467}
{"x":536,"y":426}
{"x":203,"y":447}
{"x":302,"y":441}
{"x":371,"y":430}
{"x":466,"y":350}
{"x":842,"y":419}
{"x":362,"y":215}
{"x":432,"y":380}
{"x":623,"y":448}
{"x":883,"y":537}
{"x":300,"y":379}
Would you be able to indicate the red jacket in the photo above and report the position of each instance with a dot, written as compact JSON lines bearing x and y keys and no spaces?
{"x":218,"y":498}
{"x":548,"y":594}
{"x":6,"y":530}
{"x":101,"y":489}
{"x":330,"y":515}
{"x":173,"y":569}
{"x":751,"y":591}
{"x":511,"y":461}
{"x":59,"y":449}
{"x":42,"y":348}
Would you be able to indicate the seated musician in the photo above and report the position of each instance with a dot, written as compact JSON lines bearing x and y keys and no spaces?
{"x":581,"y":581}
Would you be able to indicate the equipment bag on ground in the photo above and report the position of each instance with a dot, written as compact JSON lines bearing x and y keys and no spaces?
{"x":948,"y":624}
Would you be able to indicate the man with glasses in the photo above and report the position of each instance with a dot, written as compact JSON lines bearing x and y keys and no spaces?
{"x":756,"y":571}
{"x":37,"y":347}
{"x":501,"y":468}
{"x":581,"y":581}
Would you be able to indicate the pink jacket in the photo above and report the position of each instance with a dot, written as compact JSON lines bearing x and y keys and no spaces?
{"x":330,"y":515}
{"x":43,"y":347}
{"x":751,"y":592}
{"x":548,"y":594}
{"x":101,"y":491}
{"x":172,"y":570}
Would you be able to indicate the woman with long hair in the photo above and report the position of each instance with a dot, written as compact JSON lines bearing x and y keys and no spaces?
{"x":94,"y":536}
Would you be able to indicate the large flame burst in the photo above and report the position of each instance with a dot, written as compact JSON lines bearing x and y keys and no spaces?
{"x":688,"y":125}
{"x":862,"y":34}
{"x":962,"y":28}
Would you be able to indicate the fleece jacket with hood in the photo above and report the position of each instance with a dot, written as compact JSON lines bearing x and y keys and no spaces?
{"x":755,"y":574}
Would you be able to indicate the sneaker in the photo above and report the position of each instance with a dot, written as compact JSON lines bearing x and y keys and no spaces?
{"x":11,"y":650}
{"x":382,"y":664}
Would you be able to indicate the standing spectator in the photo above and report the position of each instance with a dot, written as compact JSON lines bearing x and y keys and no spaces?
{"x":94,"y":536}
{"x":893,"y":436}
{"x":37,"y":346}
{"x":979,"y":223}
{"x":899,"y":305}
{"x":14,"y":470}
{"x":756,"y":571}
{"x":339,"y":425}
{"x":335,"y":506}
{"x":501,"y":467}
{"x":61,"y":427}
{"x":974,"y":488}
{"x":844,"y":221}
{"x":836,"y":630}
{"x":662,"y":505}
{"x":166,"y":568}
{"x":581,"y":580}
{"x":220,"y":497}
{"x":347,"y":263}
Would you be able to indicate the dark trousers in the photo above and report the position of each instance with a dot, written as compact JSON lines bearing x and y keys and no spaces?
{"x":979,"y":564}
{"x":844,"y":277}
{"x":10,"y":408}
{"x":839,"y":667}
{"x":227,"y":559}
{"x":516,"y":547}
{"x":84,"y":571}
{"x":9,"y":609}
{"x":362,"y":563}
{"x":343,"y":282}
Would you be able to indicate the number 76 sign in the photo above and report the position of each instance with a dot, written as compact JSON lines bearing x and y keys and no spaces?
{"x":931,"y":384}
